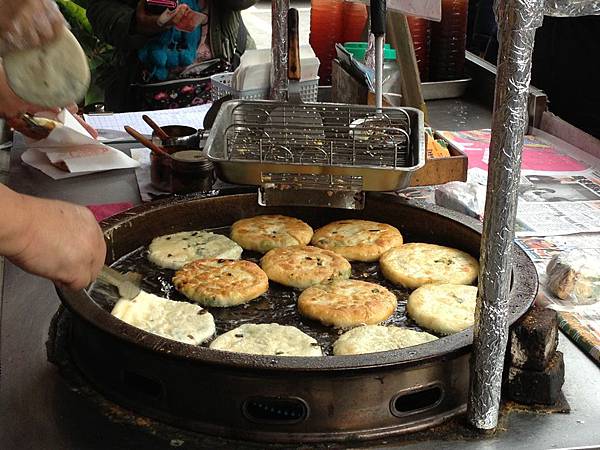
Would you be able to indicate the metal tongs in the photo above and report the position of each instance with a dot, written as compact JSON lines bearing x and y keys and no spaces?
{"x":378,"y":13}
{"x":365,"y":128}
{"x":31,"y":126}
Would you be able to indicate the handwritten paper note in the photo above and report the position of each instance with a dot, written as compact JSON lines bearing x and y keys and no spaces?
{"x":192,"y":116}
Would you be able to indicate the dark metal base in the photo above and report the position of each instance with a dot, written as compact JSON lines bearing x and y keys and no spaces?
{"x":272,"y":398}
{"x":339,"y":406}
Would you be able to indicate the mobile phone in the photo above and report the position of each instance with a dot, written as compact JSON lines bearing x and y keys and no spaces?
{"x":158,"y":6}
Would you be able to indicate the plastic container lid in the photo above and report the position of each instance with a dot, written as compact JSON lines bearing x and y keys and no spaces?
{"x":358,"y":50}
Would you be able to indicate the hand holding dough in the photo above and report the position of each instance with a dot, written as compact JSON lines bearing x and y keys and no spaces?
{"x":54,"y":75}
{"x":28,"y":23}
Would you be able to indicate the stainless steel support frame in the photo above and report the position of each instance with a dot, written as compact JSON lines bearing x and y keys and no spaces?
{"x":517,"y":21}
{"x":483,"y":83}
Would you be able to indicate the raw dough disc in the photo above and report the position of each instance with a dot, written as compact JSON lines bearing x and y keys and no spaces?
{"x":54,"y":75}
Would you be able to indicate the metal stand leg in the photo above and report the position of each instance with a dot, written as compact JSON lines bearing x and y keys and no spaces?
{"x":517,"y":21}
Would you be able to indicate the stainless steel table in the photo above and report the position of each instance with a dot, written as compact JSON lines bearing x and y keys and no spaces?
{"x":38,"y":409}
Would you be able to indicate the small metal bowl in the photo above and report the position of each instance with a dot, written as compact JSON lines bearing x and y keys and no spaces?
{"x":179,"y":136}
{"x":189,"y":170}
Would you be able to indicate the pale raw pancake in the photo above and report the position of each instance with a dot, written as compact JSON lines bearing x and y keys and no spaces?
{"x":413,"y":265}
{"x":180,"y":321}
{"x":443,"y":308}
{"x":304,"y":266}
{"x":54,"y":75}
{"x":267,"y":339}
{"x":173,"y":251}
{"x":221,"y":282}
{"x":357,"y":240}
{"x":378,"y":338}
{"x":347,"y":303}
{"x":263,"y":233}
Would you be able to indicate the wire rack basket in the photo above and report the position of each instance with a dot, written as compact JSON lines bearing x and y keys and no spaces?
{"x":253,"y":139}
{"x":302,"y":134}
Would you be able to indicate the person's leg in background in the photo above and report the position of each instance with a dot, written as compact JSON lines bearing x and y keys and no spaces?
{"x":566,"y":49}
{"x":482,"y":29}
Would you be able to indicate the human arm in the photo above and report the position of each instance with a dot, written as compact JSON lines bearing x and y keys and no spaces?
{"x":11,"y":107}
{"x":125,"y":24}
{"x":24,"y":24}
{"x":112,"y":21}
{"x":52,"y":239}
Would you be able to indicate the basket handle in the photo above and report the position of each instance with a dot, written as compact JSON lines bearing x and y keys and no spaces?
{"x":293,"y":46}
{"x":378,"y":11}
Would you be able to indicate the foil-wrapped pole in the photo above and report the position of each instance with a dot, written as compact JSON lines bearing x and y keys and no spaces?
{"x":370,"y":53}
{"x":571,"y":8}
{"x":279,"y":49}
{"x":517,"y":21}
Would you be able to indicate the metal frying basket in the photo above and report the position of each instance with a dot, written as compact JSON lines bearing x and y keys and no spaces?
{"x":354,"y":149}
{"x":319,"y":154}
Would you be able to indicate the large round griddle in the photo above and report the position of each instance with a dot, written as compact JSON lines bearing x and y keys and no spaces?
{"x":283,"y":399}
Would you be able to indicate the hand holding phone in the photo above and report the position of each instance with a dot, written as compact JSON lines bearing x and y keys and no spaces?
{"x":149,"y":23}
{"x":190,"y":20}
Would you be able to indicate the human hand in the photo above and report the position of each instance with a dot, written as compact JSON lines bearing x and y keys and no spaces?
{"x":28,"y":23}
{"x":18,"y":123}
{"x":150,"y":24}
{"x":74,"y":109}
{"x":36,"y":131}
{"x":62,"y":242}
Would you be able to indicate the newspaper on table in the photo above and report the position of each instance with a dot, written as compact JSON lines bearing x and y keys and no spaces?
{"x":550,"y":203}
{"x":559,"y":205}
{"x":559,"y":191}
